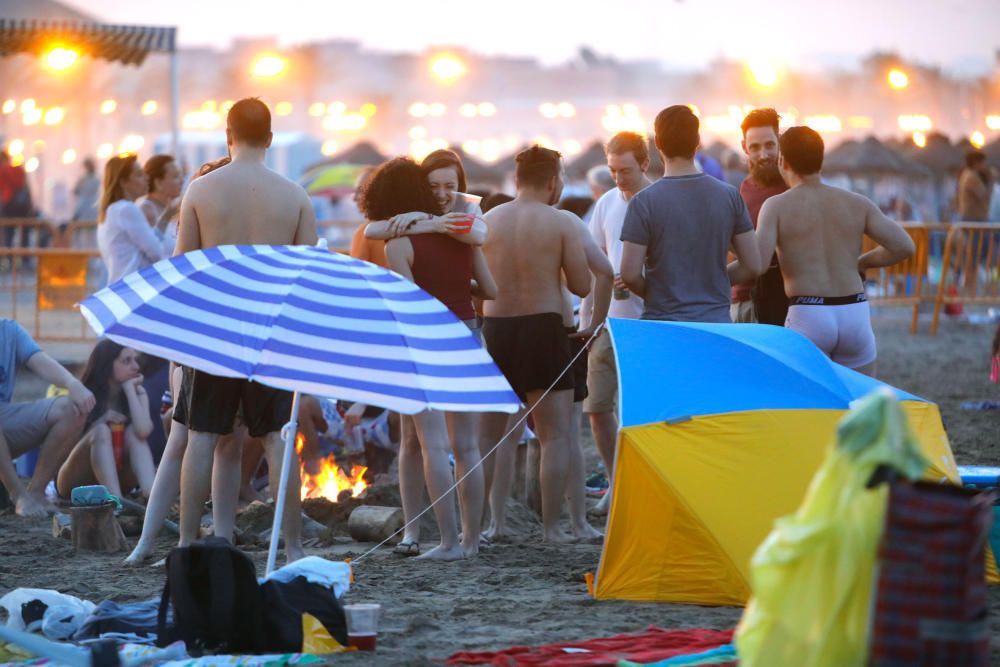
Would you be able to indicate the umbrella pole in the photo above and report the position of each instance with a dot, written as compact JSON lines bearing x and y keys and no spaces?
{"x":288,"y":433}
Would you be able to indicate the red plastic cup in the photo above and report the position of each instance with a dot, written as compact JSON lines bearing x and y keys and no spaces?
{"x":465,"y":226}
{"x":118,"y":443}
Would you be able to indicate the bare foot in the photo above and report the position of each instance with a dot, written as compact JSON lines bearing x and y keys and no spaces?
{"x":470,"y":550}
{"x":602,"y":506}
{"x":496,"y":534}
{"x":444,"y":553}
{"x":139,"y":555}
{"x":586,"y":533}
{"x":557,"y":536}
{"x":31,"y":507}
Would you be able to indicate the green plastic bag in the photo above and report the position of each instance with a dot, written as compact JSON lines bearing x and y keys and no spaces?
{"x":813,"y":576}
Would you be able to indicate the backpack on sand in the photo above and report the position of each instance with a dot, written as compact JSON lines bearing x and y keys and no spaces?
{"x":218,"y":605}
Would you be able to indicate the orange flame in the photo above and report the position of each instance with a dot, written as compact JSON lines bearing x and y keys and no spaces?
{"x":331,"y":480}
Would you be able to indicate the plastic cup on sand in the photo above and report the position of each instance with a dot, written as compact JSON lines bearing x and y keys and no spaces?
{"x":362,"y":625}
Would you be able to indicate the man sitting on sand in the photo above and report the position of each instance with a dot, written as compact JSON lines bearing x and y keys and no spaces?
{"x":818,"y":231}
{"x":51,"y":424}
{"x":241,"y":203}
{"x":529,"y":248}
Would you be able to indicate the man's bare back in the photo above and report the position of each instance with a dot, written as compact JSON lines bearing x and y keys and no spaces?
{"x":818,"y":231}
{"x":529,"y":247}
{"x":245,"y":203}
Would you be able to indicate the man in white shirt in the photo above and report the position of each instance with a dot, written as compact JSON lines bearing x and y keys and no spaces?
{"x":628,"y":160}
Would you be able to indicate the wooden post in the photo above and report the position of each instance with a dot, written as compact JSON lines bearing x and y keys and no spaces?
{"x":96,"y":529}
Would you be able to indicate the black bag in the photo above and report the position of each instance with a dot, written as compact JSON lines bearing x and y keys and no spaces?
{"x":218,"y":605}
{"x":287,"y":601}
{"x":770,"y":305}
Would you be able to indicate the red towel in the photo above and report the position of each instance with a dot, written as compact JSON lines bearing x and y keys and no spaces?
{"x":651,"y":646}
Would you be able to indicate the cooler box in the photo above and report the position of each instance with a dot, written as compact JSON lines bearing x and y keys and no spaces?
{"x":982,"y":477}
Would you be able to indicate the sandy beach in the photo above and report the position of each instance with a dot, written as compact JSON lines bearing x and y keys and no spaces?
{"x":524,"y":592}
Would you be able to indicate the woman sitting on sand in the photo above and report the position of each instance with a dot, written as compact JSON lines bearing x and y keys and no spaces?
{"x":113,"y":450}
{"x":445,"y":268}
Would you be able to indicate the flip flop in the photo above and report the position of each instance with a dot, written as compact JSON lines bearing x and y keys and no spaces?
{"x":407,"y":549}
{"x":484,"y":542}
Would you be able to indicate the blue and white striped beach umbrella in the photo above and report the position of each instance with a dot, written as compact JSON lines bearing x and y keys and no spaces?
{"x":307,"y":320}
{"x":303,"y":319}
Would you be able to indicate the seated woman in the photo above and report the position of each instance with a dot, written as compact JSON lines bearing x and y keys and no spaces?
{"x":112,"y":374}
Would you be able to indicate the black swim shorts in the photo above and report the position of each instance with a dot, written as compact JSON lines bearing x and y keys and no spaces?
{"x":530,"y":350}
{"x":210,"y":404}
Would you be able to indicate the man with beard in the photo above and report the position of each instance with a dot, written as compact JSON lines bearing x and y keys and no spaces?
{"x":760,"y":143}
{"x":817,"y":231}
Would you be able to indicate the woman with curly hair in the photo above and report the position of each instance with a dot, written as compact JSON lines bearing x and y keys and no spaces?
{"x":446,"y":177}
{"x":452,"y":272}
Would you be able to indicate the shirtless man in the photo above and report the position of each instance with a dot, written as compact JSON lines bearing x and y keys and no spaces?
{"x":818,"y":231}
{"x":529,"y":248}
{"x":241,"y":203}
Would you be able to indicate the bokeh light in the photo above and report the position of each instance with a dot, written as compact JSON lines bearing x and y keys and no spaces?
{"x":898,"y":79}
{"x":54,"y":116}
{"x":447,"y":67}
{"x":268,"y":66}
{"x":764,"y":73}
{"x":61,"y":58}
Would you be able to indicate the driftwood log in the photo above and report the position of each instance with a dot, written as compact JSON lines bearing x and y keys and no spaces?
{"x":96,"y":529}
{"x":372,"y":523}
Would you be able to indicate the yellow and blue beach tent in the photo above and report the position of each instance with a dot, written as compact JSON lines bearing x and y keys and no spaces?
{"x":722,"y":429}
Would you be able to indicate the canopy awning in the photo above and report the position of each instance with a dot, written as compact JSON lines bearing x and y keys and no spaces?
{"x":127,"y":44}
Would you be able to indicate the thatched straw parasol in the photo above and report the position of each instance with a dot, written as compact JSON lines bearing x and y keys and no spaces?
{"x":870,"y":158}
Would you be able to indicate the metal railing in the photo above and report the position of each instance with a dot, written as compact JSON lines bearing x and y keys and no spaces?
{"x":970,"y":268}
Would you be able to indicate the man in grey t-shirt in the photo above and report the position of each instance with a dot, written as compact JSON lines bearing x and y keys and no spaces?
{"x":680,"y":228}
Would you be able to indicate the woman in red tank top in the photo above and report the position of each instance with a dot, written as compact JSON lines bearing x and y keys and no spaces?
{"x":445,"y":268}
